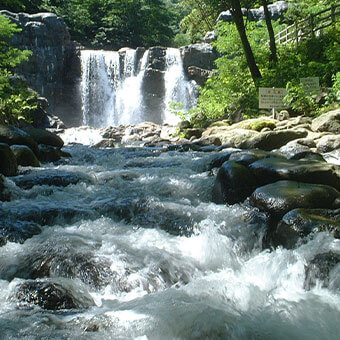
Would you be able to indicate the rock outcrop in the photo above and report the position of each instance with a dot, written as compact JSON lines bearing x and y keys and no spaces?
{"x":54,"y":68}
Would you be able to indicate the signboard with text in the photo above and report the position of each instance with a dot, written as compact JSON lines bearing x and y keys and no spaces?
{"x":310,"y":84}
{"x":270,"y":98}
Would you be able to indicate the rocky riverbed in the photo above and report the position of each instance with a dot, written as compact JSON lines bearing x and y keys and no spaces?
{"x":103,"y":231}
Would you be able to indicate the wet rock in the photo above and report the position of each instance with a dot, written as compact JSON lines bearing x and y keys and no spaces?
{"x":220,"y":159}
{"x":17,"y":231}
{"x":25,"y":156}
{"x":280,"y":197}
{"x":233,"y":184}
{"x":12,"y":135}
{"x":8,"y":164}
{"x":328,"y":143}
{"x":48,"y":153}
{"x":64,"y":262}
{"x":210,"y":37}
{"x":329,"y":122}
{"x":308,"y":171}
{"x":250,"y":156}
{"x":308,"y":155}
{"x":299,"y":223}
{"x":57,"y":178}
{"x":321,"y":268}
{"x":105,"y":143}
{"x":4,"y":194}
{"x":48,"y":214}
{"x":45,"y":137}
{"x":153,"y":82}
{"x":49,"y":295}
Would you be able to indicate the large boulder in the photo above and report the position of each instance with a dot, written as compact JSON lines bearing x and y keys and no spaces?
{"x":280,"y":197}
{"x":299,"y":223}
{"x":46,"y":137}
{"x":233,"y":184}
{"x":12,"y":135}
{"x":8,"y":164}
{"x":25,"y":156}
{"x":199,"y":55}
{"x":17,"y":231}
{"x":49,"y":295}
{"x":248,"y":157}
{"x":251,"y":139}
{"x":276,"y":10}
{"x":54,"y":67}
{"x":329,"y":122}
{"x":48,"y":153}
{"x":325,"y":268}
{"x":274,"y":169}
{"x":328,"y":143}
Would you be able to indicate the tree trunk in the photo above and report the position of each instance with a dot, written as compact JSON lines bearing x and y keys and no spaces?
{"x":272,"y":44}
{"x":238,"y":19}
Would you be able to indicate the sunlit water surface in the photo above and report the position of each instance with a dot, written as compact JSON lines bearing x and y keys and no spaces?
{"x":166,"y":262}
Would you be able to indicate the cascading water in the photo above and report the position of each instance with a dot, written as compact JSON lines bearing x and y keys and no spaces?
{"x":112,"y":88}
{"x":133,"y":248}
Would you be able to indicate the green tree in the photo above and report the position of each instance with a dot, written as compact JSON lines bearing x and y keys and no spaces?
{"x":15,"y":100}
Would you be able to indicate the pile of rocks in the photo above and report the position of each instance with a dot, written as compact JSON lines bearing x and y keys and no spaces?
{"x":27,"y":147}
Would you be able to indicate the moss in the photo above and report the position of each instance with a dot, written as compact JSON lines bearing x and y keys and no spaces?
{"x":258,"y":126}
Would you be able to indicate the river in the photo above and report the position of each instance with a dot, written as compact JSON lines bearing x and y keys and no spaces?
{"x":143,"y":252}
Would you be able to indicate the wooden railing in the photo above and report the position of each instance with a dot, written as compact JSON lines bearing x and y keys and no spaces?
{"x":309,"y":27}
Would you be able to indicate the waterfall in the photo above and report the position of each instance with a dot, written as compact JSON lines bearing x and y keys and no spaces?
{"x":112,"y":88}
{"x":178,"y":89}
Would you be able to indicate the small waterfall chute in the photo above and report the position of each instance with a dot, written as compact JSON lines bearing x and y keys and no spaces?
{"x":112,"y":88}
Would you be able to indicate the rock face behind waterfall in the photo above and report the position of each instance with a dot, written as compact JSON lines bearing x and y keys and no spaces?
{"x":54,"y":68}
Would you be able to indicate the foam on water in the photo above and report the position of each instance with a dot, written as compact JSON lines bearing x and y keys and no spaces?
{"x":164,"y":262}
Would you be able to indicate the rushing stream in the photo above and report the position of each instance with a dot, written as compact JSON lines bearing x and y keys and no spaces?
{"x":144,"y":254}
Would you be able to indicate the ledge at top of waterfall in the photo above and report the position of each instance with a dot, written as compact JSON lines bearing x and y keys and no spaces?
{"x":128,"y":87}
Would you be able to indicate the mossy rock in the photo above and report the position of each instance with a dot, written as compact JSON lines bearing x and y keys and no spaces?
{"x":256,"y":124}
{"x":8,"y":164}
{"x":220,"y":123}
{"x":25,"y":156}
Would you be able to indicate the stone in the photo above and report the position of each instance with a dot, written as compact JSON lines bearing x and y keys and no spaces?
{"x":193,"y":132}
{"x":17,"y":231}
{"x":57,"y":178}
{"x":8,"y":164}
{"x":276,"y":10}
{"x":280,"y":197}
{"x":49,"y":295}
{"x":25,"y":156}
{"x":299,"y":223}
{"x":250,"y":156}
{"x":199,"y":55}
{"x":328,"y":143}
{"x":309,"y":155}
{"x":220,"y":159}
{"x":12,"y":135}
{"x":233,"y":184}
{"x":210,"y":37}
{"x":250,"y":139}
{"x":308,"y":171}
{"x":199,"y":75}
{"x":329,"y":122}
{"x":54,"y":67}
{"x":4,"y":193}
{"x":42,"y":136}
{"x":321,"y":268}
{"x":48,"y":153}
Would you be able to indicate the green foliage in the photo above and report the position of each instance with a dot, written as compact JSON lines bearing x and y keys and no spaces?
{"x":300,"y":101}
{"x":113,"y":24}
{"x":15,"y":100}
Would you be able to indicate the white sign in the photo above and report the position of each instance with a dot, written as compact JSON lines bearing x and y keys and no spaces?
{"x":270,"y":98}
{"x":310,"y":84}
